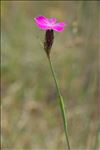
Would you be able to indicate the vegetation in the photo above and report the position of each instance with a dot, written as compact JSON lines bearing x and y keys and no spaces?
{"x":30,"y":115}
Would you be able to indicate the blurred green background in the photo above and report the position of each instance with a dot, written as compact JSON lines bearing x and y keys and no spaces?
{"x":30,"y":114}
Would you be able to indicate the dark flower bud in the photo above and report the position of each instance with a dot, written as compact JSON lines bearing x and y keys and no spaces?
{"x":49,"y":36}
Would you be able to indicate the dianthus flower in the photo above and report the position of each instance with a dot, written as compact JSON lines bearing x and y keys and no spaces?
{"x":50,"y":25}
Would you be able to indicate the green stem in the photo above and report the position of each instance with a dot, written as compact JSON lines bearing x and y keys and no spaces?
{"x":61,"y":102}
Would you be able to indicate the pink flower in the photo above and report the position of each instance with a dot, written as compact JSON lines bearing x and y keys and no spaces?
{"x":49,"y":24}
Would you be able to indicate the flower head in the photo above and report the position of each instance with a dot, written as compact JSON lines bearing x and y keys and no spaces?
{"x":49,"y":24}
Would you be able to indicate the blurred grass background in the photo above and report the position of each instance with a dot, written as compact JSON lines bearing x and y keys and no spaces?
{"x":30,"y":114}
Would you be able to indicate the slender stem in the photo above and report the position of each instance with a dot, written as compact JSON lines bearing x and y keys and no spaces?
{"x":61,"y":102}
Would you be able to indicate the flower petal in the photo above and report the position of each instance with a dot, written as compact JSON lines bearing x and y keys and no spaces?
{"x":42,"y":26}
{"x":41,"y":20}
{"x":45,"y":23}
{"x":52,"y":20}
{"x":59,"y":26}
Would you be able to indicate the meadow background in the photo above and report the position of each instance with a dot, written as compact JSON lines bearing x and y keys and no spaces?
{"x":30,"y":114}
